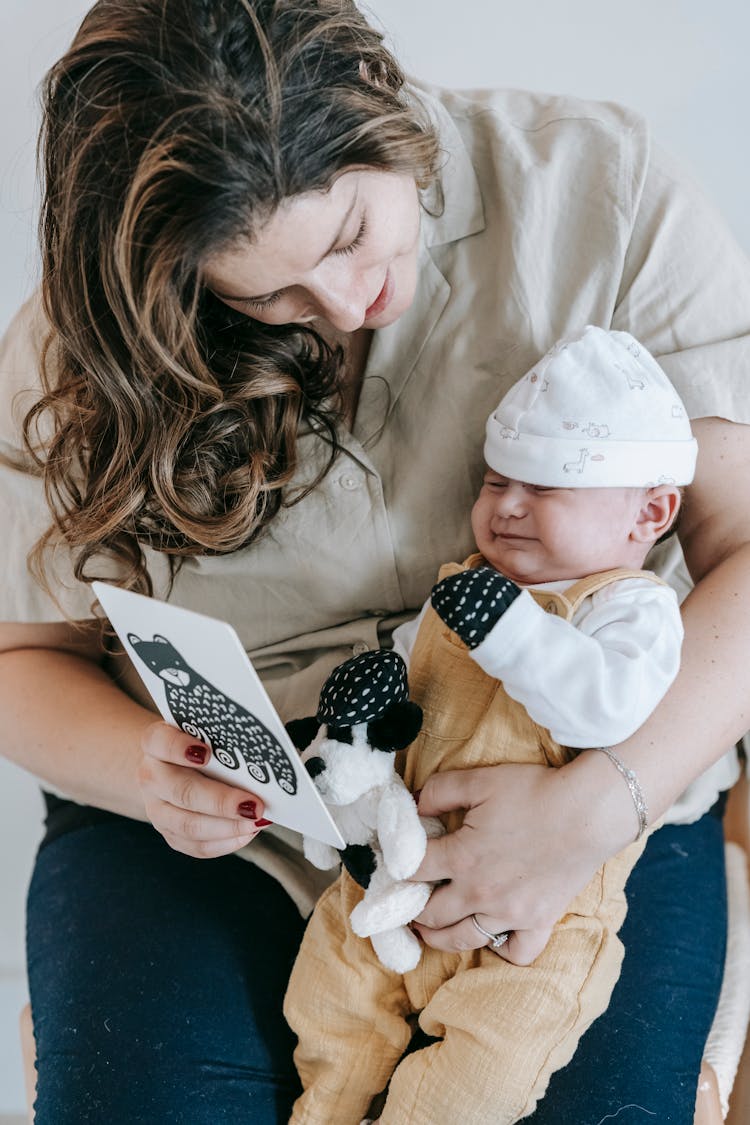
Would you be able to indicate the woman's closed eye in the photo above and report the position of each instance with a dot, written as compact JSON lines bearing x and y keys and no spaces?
{"x":357,"y":241}
{"x":262,"y":303}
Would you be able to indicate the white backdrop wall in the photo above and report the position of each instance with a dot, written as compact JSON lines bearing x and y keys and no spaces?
{"x":682,"y":63}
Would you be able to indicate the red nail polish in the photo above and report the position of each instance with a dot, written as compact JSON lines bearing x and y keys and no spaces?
{"x":196,"y":754}
{"x":263,"y":823}
{"x":248,"y":809}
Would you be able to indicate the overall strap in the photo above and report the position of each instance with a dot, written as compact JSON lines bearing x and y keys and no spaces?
{"x":576,"y":593}
{"x":565,"y":604}
{"x":473,"y":561}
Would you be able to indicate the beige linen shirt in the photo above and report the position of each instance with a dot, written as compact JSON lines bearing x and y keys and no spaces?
{"x":556,"y":213}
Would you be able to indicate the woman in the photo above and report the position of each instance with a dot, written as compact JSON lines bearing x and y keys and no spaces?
{"x":239,"y":196}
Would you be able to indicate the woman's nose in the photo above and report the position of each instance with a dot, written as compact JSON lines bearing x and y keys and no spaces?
{"x":341,"y":296}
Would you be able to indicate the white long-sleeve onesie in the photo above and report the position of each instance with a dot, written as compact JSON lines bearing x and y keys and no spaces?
{"x":591,"y":681}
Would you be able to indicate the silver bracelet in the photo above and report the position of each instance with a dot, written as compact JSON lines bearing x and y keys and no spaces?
{"x":634,"y":786}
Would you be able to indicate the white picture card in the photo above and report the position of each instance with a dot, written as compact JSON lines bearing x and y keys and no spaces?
{"x":202,"y":681}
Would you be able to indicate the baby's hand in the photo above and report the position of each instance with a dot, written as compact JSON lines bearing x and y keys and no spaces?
{"x":472,"y":602}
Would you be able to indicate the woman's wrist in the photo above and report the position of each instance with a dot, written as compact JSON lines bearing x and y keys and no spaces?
{"x":603,"y":803}
{"x":630,"y":777}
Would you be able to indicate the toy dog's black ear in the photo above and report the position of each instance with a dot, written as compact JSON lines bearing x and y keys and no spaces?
{"x":302,"y":731}
{"x":394,"y":730}
{"x":340,"y":734}
{"x":315,"y":766}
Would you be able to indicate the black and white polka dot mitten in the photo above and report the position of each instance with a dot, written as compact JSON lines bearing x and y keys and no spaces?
{"x":472,"y":602}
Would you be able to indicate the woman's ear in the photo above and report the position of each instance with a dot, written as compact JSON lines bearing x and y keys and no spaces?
{"x":657,"y":514}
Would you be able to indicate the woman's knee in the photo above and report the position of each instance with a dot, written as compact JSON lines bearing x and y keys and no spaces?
{"x":156,"y":982}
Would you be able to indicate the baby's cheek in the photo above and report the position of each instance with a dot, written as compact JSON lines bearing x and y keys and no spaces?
{"x":478,"y":519}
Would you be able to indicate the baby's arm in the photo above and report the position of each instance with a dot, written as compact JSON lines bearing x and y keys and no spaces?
{"x":405,"y":635}
{"x":594,"y":682}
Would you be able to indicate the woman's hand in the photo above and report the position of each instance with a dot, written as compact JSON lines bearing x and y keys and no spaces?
{"x":531,"y":839}
{"x":195,"y":814}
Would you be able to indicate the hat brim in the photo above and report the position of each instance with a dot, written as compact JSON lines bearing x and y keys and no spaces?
{"x":561,"y":463}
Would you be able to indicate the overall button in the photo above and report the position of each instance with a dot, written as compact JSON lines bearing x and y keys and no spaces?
{"x":359,"y":648}
{"x":350,"y":483}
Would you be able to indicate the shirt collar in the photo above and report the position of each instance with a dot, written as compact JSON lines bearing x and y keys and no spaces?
{"x":453,"y":205}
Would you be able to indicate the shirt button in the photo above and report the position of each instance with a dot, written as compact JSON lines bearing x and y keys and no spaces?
{"x":350,"y":483}
{"x":359,"y":648}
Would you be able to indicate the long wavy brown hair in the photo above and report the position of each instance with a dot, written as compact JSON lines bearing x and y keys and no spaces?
{"x":172,"y":128}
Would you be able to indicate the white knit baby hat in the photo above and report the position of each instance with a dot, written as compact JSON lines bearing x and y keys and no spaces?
{"x":596,"y":411}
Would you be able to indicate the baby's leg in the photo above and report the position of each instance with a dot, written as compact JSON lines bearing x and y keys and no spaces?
{"x":348,"y":1012}
{"x":504,"y":1029}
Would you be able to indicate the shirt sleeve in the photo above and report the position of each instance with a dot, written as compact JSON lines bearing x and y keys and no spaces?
{"x":684,"y":291}
{"x":594,"y":681}
{"x":405,"y":635}
{"x":24,"y":513}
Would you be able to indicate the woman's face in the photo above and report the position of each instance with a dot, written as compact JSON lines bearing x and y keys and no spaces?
{"x":347,"y":256}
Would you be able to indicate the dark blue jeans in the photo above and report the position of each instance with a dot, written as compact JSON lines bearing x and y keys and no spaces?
{"x":639,"y":1062}
{"x":156,"y":984}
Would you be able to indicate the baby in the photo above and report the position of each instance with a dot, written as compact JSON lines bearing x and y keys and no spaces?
{"x":551,"y":640}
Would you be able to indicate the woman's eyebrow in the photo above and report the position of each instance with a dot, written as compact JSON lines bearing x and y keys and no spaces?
{"x":336,"y":239}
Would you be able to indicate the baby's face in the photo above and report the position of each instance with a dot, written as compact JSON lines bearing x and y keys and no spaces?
{"x":533,"y":534}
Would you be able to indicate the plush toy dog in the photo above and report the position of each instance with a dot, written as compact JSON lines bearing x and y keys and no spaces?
{"x":364,"y":716}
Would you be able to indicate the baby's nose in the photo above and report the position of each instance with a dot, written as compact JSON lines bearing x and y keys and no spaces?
{"x":511,"y":500}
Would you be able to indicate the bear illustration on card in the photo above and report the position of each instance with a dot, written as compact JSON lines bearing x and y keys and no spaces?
{"x":203,"y":711}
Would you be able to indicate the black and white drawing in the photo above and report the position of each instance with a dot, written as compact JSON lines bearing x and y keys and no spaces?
{"x":199,"y":708}
{"x":197,"y":671}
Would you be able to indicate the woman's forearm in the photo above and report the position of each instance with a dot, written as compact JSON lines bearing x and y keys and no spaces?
{"x":705,"y":712}
{"x":65,"y":721}
{"x":707,"y":709}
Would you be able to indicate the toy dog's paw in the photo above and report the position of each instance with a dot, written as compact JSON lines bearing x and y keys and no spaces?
{"x":399,"y":950}
{"x":321,"y":855}
{"x":394,"y":906}
{"x":402,"y":864}
{"x":472,"y":602}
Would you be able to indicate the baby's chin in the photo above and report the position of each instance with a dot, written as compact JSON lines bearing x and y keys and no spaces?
{"x":527,"y":576}
{"x":520,"y":577}
{"x":510,"y":564}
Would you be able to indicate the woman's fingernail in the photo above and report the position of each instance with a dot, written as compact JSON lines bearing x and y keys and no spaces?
{"x":248,"y":809}
{"x":263,"y":823}
{"x":196,"y":754}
